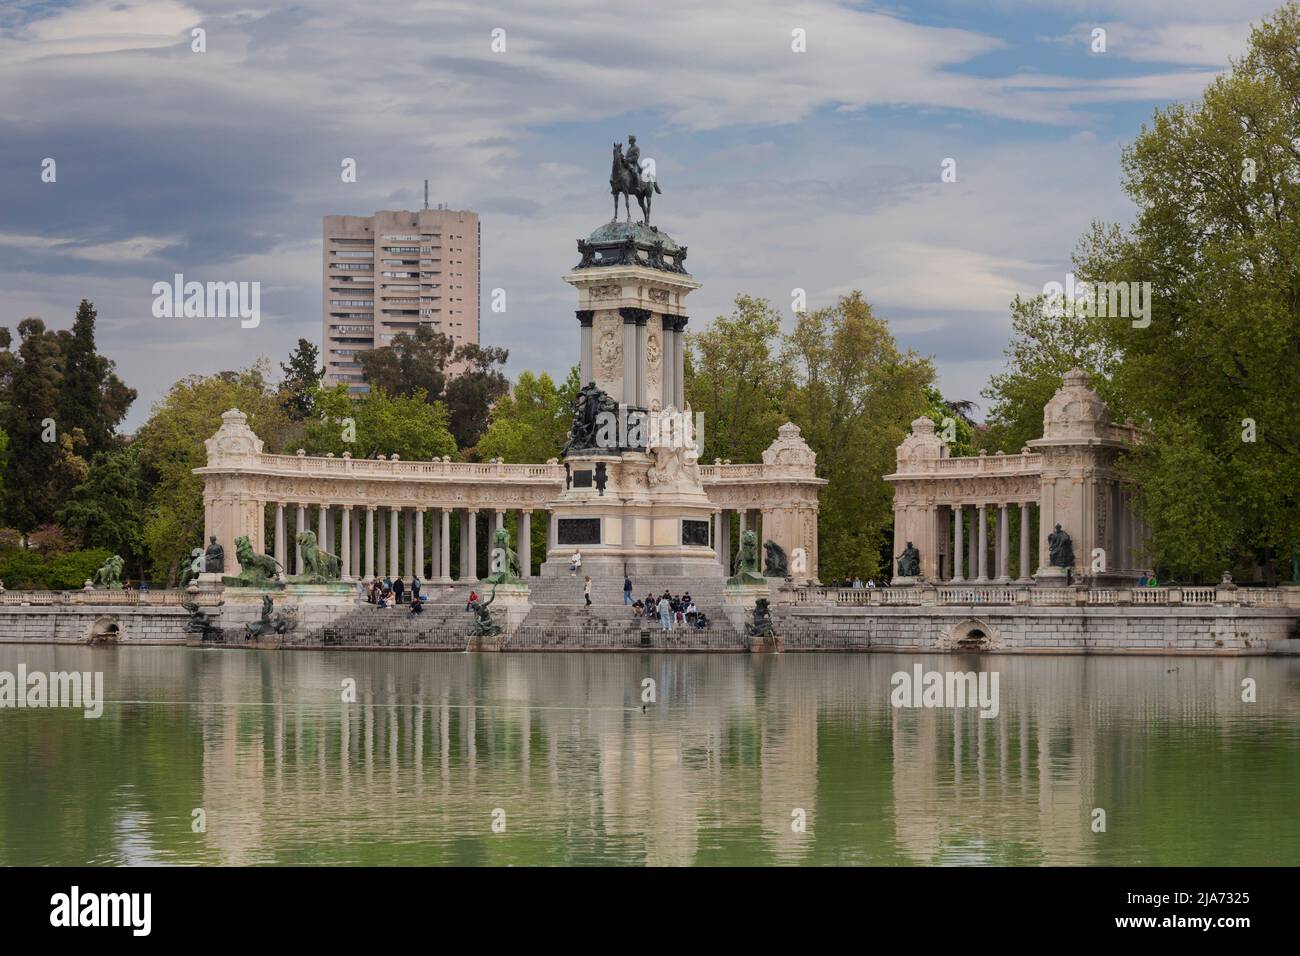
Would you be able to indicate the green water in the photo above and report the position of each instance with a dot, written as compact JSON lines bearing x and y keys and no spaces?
{"x":713,"y":773}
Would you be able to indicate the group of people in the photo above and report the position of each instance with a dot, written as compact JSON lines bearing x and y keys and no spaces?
{"x":855,"y":582}
{"x":390,"y":592}
{"x":671,"y":609}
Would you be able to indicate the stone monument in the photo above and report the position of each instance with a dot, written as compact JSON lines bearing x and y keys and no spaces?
{"x":633,"y":501}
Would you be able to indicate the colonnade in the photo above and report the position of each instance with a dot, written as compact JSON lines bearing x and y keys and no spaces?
{"x":750,"y":519}
{"x":980,"y":539}
{"x":376,"y":541}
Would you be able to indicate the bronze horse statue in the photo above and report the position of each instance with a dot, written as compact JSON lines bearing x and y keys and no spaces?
{"x":624,"y":181}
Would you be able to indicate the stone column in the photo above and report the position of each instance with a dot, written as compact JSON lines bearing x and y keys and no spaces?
{"x":355,"y":570}
{"x":393,"y":569}
{"x":370,"y":543}
{"x":717,"y":536}
{"x":1024,"y":542}
{"x":322,"y":516}
{"x":281,"y":552}
{"x":679,"y":360}
{"x":498,"y":519}
{"x":585,"y":317}
{"x":345,"y":536}
{"x":641,"y":397}
{"x":552,"y":533}
{"x":630,"y":353}
{"x":524,"y":546}
{"x":435,"y":544}
{"x":472,"y":550}
{"x":299,"y":526}
{"x":408,"y":531}
{"x":381,"y":559}
{"x":418,"y":542}
{"x":726,"y":541}
{"x":444,"y":543}
{"x":1004,"y":543}
{"x":983,"y":555}
{"x":668,"y":360}
{"x":959,"y":513}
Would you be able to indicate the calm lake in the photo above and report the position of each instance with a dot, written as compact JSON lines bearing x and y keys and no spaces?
{"x":532,"y":758}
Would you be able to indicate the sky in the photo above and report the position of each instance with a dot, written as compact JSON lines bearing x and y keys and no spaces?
{"x":817,"y":170}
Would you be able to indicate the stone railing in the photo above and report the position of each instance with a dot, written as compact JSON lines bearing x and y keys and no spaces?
{"x":395,"y":467}
{"x":102,"y":596}
{"x":950,"y":595}
{"x":989,"y":464}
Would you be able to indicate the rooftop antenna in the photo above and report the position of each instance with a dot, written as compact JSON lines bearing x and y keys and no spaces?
{"x":426,"y":194}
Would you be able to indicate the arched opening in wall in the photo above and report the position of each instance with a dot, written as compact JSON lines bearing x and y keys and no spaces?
{"x":105,"y":630}
{"x":971,"y":635}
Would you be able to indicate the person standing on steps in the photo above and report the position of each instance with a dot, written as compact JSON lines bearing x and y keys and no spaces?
{"x":666,"y":612}
{"x":586,"y":590}
{"x":398,"y":589}
{"x":627,"y":590}
{"x":575,"y":564}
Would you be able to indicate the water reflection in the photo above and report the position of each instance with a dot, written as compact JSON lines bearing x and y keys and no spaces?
{"x":286,"y":771}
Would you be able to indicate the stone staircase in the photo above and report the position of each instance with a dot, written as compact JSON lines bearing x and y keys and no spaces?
{"x":558,"y":617}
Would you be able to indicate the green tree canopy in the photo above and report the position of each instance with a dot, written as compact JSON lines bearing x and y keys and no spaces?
{"x":1217,"y":184}
{"x":532,"y":422}
{"x":734,"y":377}
{"x":302,"y":376}
{"x":854,"y":395}
{"x":171,"y":447}
{"x":374,"y":424}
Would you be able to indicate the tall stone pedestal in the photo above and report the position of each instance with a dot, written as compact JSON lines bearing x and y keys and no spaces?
{"x":738,"y":602}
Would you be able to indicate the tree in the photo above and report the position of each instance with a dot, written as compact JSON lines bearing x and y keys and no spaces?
{"x":91,"y":396}
{"x":413,"y":362}
{"x":302,"y":376}
{"x":1217,"y":236}
{"x":532,"y":422}
{"x":107,"y":510}
{"x":734,"y":377}
{"x":952,"y":418}
{"x":378,"y":424}
{"x":854,"y":395}
{"x":1045,"y":344}
{"x":171,"y":447}
{"x":31,"y":421}
{"x":472,"y":393}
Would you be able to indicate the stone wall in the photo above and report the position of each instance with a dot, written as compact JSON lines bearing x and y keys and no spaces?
{"x":76,"y":625}
{"x":1231,"y":630}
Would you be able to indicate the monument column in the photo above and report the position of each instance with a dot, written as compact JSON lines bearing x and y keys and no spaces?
{"x":345,"y":534}
{"x":281,"y":553}
{"x":498,"y":519}
{"x":381,"y":551}
{"x":370,"y":542}
{"x":408,"y":539}
{"x":472,"y":549}
{"x":525,"y":543}
{"x":418,"y":545}
{"x":669,"y":360}
{"x":717,"y":537}
{"x":959,"y":513}
{"x":679,"y":360}
{"x":444,"y":542}
{"x":631,"y":351}
{"x":1004,"y":543}
{"x":641,"y":397}
{"x":585,"y":317}
{"x":355,"y":570}
{"x":983,"y":546}
{"x":393,"y":569}
{"x":322,"y":516}
{"x":299,"y":527}
{"x":1024,"y":542}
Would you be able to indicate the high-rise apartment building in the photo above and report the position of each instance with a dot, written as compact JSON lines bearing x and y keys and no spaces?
{"x":390,"y":273}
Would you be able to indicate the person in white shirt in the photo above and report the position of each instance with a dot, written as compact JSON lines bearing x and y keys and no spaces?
{"x":575,"y":563}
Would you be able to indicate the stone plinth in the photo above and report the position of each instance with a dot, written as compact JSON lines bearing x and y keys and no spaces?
{"x":738,"y":602}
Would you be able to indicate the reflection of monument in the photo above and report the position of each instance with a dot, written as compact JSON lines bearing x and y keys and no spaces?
{"x":648,"y":513}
